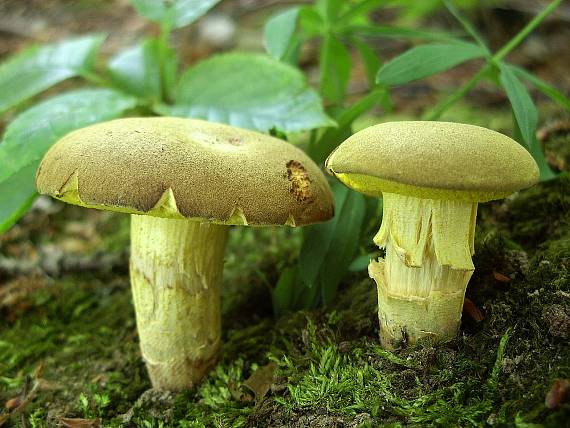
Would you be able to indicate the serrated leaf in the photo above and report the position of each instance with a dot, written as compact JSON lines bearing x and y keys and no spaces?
{"x":523,"y":108}
{"x":279,"y":31}
{"x":335,"y":66}
{"x":173,"y":13}
{"x":31,"y":134}
{"x":329,"y":248}
{"x":547,"y":89}
{"x":37,"y":68}
{"x":249,"y":91}
{"x":426,"y":60}
{"x":16,"y":195}
{"x":137,"y":69}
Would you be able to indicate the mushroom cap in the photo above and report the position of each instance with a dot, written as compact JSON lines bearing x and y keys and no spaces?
{"x":436,"y":160}
{"x":185,"y":168}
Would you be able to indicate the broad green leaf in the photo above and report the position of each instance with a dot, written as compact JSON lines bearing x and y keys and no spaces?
{"x":173,"y":13}
{"x":426,"y":60}
{"x":335,"y":66}
{"x":400,"y":33}
{"x":279,"y":31}
{"x":329,"y":248}
{"x":137,"y":69}
{"x":36,"y":69}
{"x":16,"y":195}
{"x":548,"y":90}
{"x":249,"y":91}
{"x":523,"y":108}
{"x":311,"y":22}
{"x":32,"y":132}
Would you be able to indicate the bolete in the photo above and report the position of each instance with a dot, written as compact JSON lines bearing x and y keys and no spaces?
{"x":431,"y":175}
{"x":184,"y":182}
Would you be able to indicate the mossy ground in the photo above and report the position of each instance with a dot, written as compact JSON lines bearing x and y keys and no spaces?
{"x":70,"y":344}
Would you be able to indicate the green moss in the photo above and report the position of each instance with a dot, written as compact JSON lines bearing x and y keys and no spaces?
{"x":331,"y":370}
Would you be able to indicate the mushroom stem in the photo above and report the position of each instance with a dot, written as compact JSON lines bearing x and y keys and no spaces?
{"x":176,"y":273}
{"x":422,"y":280}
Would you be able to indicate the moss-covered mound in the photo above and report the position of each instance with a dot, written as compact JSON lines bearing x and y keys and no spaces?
{"x":68,"y":345}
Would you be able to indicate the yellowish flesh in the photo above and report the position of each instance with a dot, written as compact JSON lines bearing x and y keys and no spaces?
{"x":422,"y":280}
{"x":176,"y":274}
{"x":374,"y":186}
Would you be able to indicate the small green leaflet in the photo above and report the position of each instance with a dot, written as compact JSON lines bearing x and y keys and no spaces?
{"x":249,"y":91}
{"x":426,"y":60}
{"x":37,"y":68}
{"x":31,"y":134}
{"x":548,"y":90}
{"x":173,"y":13}
{"x":335,"y":66}
{"x":523,"y":108}
{"x":279,"y":31}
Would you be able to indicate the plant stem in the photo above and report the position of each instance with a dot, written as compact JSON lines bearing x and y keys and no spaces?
{"x":436,"y":113}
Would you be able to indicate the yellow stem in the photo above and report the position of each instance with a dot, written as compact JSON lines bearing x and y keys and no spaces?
{"x":176,"y":273}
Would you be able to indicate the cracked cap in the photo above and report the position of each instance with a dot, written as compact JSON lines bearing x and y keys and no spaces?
{"x":436,"y":160}
{"x":185,"y":168}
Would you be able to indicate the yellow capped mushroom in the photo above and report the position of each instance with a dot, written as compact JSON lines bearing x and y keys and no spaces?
{"x":431,"y":175}
{"x":184,"y":182}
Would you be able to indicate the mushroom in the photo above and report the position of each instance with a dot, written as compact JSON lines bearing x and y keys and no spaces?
{"x":184,"y":182}
{"x":431,"y":175}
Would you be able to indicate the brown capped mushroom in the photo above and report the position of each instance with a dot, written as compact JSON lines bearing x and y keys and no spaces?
{"x":184,"y":182}
{"x":432,"y":175}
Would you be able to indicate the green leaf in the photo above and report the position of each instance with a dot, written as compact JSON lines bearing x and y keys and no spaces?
{"x":137,"y":69}
{"x":329,"y":248}
{"x":359,"y":10}
{"x":426,"y":60}
{"x":536,"y":151}
{"x":16,"y":195}
{"x":370,"y":60}
{"x":548,"y":90}
{"x":283,"y":294}
{"x":467,"y":26}
{"x":279,"y":31}
{"x":329,"y":10}
{"x":332,"y":137}
{"x":31,"y":134}
{"x":335,"y":66}
{"x":173,"y":13}
{"x":36,"y":69}
{"x":248,"y":91}
{"x":361,"y":262}
{"x":400,"y":33}
{"x":523,"y":108}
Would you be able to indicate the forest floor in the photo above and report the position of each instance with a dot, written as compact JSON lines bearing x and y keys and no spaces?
{"x":69,"y":353}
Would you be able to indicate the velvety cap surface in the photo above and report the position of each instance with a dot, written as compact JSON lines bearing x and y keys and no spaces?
{"x":407,"y":157}
{"x":184,"y":168}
